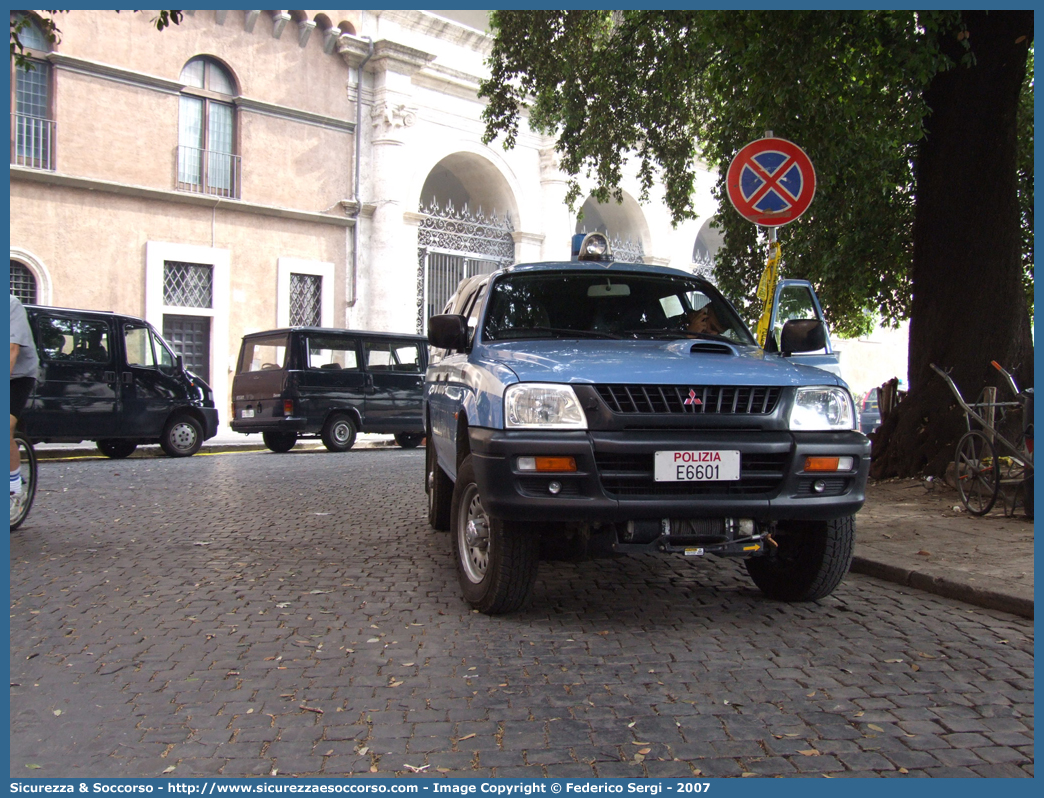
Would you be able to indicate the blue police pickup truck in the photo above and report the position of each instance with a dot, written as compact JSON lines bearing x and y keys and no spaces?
{"x":589,"y":408}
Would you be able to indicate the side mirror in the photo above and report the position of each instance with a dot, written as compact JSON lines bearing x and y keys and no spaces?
{"x":448,"y":331}
{"x":802,"y":335}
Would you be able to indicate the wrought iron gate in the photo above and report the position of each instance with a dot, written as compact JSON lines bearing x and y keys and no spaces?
{"x":453,"y":245}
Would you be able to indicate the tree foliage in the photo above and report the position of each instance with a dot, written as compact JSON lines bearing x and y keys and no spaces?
{"x":670,"y":87}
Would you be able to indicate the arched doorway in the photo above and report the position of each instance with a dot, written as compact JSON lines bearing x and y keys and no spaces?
{"x":622,"y":222}
{"x":466,"y":230}
{"x":708,"y":241}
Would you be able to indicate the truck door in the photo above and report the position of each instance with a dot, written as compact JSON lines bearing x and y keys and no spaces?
{"x":795,"y":299}
{"x":76,"y":395}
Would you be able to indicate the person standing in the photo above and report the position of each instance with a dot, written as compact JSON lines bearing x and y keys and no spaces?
{"x":24,"y":367}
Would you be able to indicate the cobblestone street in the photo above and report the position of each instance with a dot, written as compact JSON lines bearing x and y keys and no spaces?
{"x":253,"y":613}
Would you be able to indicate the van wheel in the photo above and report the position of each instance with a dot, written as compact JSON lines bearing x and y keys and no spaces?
{"x":409,"y":440}
{"x":279,"y":441}
{"x":339,"y":433}
{"x":811,"y":560}
{"x":116,"y":449}
{"x":182,"y":436}
{"x":497,"y":560}
{"x":440,"y":491}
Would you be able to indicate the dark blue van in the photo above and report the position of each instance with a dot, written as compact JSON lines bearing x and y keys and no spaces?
{"x":307,"y":382}
{"x":112,"y":379}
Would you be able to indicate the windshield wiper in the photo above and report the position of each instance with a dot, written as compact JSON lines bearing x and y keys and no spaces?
{"x":655,"y":333}
{"x":561,"y":332}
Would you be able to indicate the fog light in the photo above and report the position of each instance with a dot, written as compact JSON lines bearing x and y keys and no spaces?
{"x":819,"y":486}
{"x":554,"y":486}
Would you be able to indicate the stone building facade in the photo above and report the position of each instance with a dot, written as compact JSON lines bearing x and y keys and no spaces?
{"x":245,"y":170}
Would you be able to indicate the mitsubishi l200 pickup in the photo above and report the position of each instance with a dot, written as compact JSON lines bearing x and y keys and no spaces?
{"x":590,"y":407}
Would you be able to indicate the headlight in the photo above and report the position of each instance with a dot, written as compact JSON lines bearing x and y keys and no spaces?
{"x":822,"y":408}
{"x":544,"y":406}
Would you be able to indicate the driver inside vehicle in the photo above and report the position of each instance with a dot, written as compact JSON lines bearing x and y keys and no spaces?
{"x":703,"y":321}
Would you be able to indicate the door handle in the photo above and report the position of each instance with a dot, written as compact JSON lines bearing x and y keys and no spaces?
{"x":128,"y":378}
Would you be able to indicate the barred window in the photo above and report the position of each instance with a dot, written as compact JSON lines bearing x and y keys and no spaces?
{"x":23,"y":283}
{"x":188,"y":285}
{"x":33,"y":126}
{"x":306,"y":300}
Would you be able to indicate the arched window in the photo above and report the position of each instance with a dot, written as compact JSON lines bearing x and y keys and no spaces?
{"x":23,"y":283}
{"x":207,"y":160}
{"x":32,"y":112}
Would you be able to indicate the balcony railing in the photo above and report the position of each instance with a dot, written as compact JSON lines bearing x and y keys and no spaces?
{"x":32,"y":142}
{"x":207,"y":172}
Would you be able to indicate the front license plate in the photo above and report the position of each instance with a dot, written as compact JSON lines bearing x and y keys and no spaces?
{"x":708,"y":465}
{"x":248,"y":412}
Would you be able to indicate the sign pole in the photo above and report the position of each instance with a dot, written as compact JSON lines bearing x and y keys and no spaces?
{"x":770,"y":182}
{"x":767,"y":287}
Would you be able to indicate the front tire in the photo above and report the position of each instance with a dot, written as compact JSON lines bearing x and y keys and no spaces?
{"x":116,"y":449}
{"x":339,"y":433}
{"x":440,"y":490}
{"x":811,"y":559}
{"x":497,"y":560}
{"x":279,"y":441}
{"x":182,"y":436}
{"x":409,"y":440}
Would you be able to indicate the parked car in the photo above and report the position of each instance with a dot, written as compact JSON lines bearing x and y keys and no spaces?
{"x":301,"y":382}
{"x":569,"y":413}
{"x":869,"y":413}
{"x":112,"y":379}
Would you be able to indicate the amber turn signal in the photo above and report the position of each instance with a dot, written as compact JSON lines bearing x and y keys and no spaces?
{"x":546,"y":464}
{"x":828,"y":463}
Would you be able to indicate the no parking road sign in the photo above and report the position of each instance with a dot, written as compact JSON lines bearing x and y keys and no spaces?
{"x":771,"y":182}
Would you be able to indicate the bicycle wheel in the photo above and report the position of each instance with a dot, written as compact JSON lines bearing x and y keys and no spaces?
{"x":977,"y":478}
{"x":26,"y":454}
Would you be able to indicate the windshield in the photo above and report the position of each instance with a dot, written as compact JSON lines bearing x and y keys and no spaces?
{"x":618,"y":305}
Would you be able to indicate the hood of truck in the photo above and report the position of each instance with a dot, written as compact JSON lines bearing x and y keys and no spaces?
{"x":644,"y":362}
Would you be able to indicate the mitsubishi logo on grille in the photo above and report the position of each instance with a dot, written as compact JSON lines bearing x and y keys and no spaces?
{"x":693,"y":399}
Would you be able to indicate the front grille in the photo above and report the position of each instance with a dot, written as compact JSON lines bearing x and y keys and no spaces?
{"x":690,"y":399}
{"x":627,"y":475}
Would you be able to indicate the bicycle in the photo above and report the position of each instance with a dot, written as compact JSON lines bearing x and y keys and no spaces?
{"x":27,"y":455}
{"x":988,"y":464}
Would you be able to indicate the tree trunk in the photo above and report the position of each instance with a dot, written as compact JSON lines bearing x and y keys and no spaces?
{"x":968,"y":305}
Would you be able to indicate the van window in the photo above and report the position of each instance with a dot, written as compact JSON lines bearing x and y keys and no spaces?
{"x":397,"y":356}
{"x":139,"y":347}
{"x":164,"y":355}
{"x":334,"y":353}
{"x":73,"y":340}
{"x":263,"y":354}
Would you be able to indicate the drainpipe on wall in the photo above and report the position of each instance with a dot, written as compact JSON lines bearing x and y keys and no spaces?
{"x":358,"y":160}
